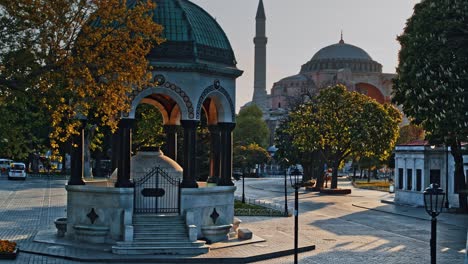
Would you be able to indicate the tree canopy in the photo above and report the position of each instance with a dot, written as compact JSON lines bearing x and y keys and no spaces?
{"x":80,"y":57}
{"x":339,"y":123}
{"x":251,"y":128}
{"x":432,"y":80}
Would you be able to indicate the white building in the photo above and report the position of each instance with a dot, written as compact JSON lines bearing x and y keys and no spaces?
{"x":418,"y":164}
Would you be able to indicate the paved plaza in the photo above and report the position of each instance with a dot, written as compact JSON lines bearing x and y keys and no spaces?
{"x":345,"y":229}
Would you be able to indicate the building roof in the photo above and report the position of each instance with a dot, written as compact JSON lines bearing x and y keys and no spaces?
{"x":341,"y":50}
{"x":192,"y":35}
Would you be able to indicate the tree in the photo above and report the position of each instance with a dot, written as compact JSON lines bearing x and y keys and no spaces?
{"x":24,"y":126}
{"x":410,"y":133}
{"x":247,"y":157}
{"x":85,"y":56}
{"x":149,"y":127}
{"x":432,"y":80}
{"x":339,"y":123}
{"x":251,"y":128}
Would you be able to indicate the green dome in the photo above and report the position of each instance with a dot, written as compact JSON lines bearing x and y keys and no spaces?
{"x":192,"y":35}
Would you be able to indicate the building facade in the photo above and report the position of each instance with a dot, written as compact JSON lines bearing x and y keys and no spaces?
{"x":417,"y":165}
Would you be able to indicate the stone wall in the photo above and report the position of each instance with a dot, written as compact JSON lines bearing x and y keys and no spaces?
{"x":112,"y":206}
{"x":201,"y":202}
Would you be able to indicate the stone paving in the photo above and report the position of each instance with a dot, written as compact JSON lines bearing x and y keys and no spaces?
{"x":343,"y":228}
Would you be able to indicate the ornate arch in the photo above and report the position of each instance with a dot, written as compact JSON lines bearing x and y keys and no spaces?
{"x":216,"y":88}
{"x":182,"y":99}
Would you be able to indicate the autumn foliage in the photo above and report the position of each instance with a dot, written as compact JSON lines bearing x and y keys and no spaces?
{"x":89,"y":55}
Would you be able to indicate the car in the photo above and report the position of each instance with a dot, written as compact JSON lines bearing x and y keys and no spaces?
{"x":5,"y":165}
{"x":17,"y":171}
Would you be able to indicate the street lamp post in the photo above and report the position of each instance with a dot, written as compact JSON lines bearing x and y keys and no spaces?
{"x":433,"y":203}
{"x":285,"y":164}
{"x":243,"y":179}
{"x":296,"y":183}
{"x":446,"y":176}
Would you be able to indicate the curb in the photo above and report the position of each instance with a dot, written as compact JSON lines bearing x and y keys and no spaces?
{"x":176,"y":259}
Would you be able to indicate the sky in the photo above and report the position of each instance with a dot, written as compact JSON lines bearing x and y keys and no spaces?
{"x":297,"y":29}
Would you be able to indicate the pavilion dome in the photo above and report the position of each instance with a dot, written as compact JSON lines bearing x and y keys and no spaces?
{"x":340,"y":56}
{"x":192,"y":35}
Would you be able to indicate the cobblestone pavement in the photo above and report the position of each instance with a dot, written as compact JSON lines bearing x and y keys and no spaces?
{"x":342,"y":231}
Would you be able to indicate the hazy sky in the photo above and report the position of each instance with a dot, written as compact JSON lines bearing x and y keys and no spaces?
{"x":297,"y":29}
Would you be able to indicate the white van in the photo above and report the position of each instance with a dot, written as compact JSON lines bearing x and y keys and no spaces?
{"x":17,"y":171}
{"x":5,"y":165}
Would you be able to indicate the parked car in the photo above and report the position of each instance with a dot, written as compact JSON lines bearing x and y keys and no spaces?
{"x":17,"y":171}
{"x":5,"y":165}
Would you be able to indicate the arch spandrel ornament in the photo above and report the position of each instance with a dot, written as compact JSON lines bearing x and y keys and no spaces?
{"x":224,"y":103}
{"x":184,"y":103}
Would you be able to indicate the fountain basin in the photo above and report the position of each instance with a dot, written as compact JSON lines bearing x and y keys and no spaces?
{"x":216,"y":233}
{"x":61,"y":225}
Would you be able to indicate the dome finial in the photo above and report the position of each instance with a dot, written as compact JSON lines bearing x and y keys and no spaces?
{"x":341,"y":40}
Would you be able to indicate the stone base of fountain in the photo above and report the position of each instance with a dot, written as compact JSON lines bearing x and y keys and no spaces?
{"x":216,"y":233}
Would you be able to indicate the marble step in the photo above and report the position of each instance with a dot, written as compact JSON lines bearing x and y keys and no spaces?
{"x":198,"y":243}
{"x":166,"y":235}
{"x":160,"y":250}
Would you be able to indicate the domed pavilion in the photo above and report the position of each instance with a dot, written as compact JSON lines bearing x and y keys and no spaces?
{"x":194,"y":74}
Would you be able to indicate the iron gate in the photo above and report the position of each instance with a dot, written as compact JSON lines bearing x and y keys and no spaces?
{"x":157,"y":193}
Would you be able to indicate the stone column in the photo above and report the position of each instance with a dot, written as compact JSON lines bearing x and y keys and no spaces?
{"x":190,"y":151}
{"x":171,"y":141}
{"x":215,"y":151}
{"x":226,"y":153}
{"x":125,"y":149}
{"x":77,"y":157}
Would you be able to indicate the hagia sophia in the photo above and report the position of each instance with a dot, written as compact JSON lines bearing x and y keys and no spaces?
{"x":341,"y":63}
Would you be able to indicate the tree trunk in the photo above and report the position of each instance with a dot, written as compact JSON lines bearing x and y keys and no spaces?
{"x":460,"y":182}
{"x":308,"y":169}
{"x":360,"y":174}
{"x":354,"y":174}
{"x":334,"y":181}
{"x":368,"y":174}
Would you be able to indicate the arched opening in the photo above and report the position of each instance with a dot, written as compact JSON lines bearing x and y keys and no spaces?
{"x":371,"y":91}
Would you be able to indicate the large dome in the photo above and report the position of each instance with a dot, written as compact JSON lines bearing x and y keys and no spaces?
{"x":341,"y":56}
{"x":192,"y":35}
{"x":341,"y":51}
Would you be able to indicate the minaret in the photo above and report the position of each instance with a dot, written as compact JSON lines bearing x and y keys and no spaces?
{"x":260,"y":40}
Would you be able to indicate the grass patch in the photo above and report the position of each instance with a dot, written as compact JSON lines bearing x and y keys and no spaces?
{"x":240,"y":205}
{"x":378,"y":185}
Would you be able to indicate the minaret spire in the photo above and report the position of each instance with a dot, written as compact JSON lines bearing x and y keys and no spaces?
{"x":341,"y":40}
{"x":260,"y":40}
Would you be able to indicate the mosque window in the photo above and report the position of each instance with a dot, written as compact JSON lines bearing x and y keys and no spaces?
{"x":279,"y":104}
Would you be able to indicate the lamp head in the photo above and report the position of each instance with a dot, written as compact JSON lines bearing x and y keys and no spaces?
{"x":434,"y":199}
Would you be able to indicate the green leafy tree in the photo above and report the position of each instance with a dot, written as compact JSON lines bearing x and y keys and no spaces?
{"x":148,"y":128}
{"x":339,"y":123}
{"x":432,"y":81}
{"x":251,"y":128}
{"x":247,"y":157}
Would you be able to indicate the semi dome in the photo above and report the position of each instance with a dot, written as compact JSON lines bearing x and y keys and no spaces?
{"x":341,"y":56}
{"x":192,"y":35}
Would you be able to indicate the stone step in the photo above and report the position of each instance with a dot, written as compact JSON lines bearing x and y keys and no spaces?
{"x":158,"y":217}
{"x":139,"y":250}
{"x":161,"y":239}
{"x":159,"y":235}
{"x":159,"y":231}
{"x":143,"y":233}
{"x":198,"y":243}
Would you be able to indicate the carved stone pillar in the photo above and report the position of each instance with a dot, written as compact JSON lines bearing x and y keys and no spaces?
{"x":226,"y":153}
{"x":77,"y":157}
{"x":215,"y":151}
{"x":171,"y":141}
{"x":190,"y":150}
{"x":125,"y":149}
